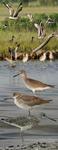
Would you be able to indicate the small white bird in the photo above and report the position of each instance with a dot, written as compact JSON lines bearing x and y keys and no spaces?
{"x":43,"y":57}
{"x":51,"y":57}
{"x":32,"y":84}
{"x":25,"y":58}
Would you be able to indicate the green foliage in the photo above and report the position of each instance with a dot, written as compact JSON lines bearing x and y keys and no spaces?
{"x":39,"y":17}
{"x":23,"y":30}
{"x":23,"y":23}
{"x":34,"y":2}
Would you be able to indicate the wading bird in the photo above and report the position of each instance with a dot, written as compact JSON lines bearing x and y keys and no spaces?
{"x":25,"y":58}
{"x":32,"y":84}
{"x":43,"y":57}
{"x":27,"y":101}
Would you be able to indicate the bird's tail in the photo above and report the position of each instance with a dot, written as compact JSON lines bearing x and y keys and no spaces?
{"x":52,"y":86}
{"x":49,"y":100}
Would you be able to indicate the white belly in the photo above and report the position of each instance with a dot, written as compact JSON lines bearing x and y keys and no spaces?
{"x":37,"y":88}
{"x":21,"y":104}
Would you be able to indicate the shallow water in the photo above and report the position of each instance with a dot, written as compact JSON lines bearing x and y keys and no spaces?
{"x":46,"y":72}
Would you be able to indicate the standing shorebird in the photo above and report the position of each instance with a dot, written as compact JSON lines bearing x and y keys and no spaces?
{"x":27,"y":102}
{"x":33,"y":85}
{"x":51,"y":57}
{"x":25,"y":58}
{"x":43,"y":57}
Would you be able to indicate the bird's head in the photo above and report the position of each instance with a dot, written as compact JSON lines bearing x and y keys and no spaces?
{"x":22,"y":73}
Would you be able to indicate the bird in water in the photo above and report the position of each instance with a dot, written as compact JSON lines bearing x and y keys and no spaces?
{"x":51,"y":57}
{"x":13,"y":14}
{"x":43,"y":57}
{"x":27,"y":101}
{"x":25,"y":58}
{"x":32,"y":84}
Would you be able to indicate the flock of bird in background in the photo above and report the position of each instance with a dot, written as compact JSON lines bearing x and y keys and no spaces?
{"x":14,"y":14}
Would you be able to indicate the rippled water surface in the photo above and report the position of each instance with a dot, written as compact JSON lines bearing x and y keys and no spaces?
{"x":46,"y":72}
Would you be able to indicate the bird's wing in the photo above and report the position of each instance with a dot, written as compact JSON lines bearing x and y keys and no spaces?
{"x":32,"y":100}
{"x":6,"y":5}
{"x":35,"y":83}
{"x":17,"y":11}
{"x":11,"y":11}
{"x":36,"y":25}
{"x":20,"y":4}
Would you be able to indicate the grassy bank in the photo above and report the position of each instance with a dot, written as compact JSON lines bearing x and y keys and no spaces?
{"x":48,"y":10}
{"x":24,"y":30}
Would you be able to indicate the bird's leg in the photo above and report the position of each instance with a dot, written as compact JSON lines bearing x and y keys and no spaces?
{"x":29,"y":114}
{"x":34,"y":93}
{"x":21,"y":135}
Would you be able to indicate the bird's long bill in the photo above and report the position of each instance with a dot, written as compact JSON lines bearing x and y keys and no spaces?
{"x":16,"y":75}
{"x":52,"y":119}
{"x":7,"y":98}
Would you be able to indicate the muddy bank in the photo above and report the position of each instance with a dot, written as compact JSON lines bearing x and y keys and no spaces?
{"x":33,"y":146}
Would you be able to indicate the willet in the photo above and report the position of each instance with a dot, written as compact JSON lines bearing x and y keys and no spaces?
{"x":13,"y":14}
{"x":27,"y":101}
{"x":32,"y":84}
{"x":51,"y":57}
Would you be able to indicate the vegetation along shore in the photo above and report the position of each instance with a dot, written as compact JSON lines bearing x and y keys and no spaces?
{"x":24,"y":31}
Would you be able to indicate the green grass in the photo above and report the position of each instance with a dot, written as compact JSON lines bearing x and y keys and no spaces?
{"x":48,"y":10}
{"x":23,"y":31}
{"x":24,"y":38}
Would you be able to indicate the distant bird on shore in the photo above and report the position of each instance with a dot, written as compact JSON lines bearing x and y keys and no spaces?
{"x":43,"y":57}
{"x":16,"y":50}
{"x":51,"y":57}
{"x":32,"y":84}
{"x":13,"y":14}
{"x":27,"y":101}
